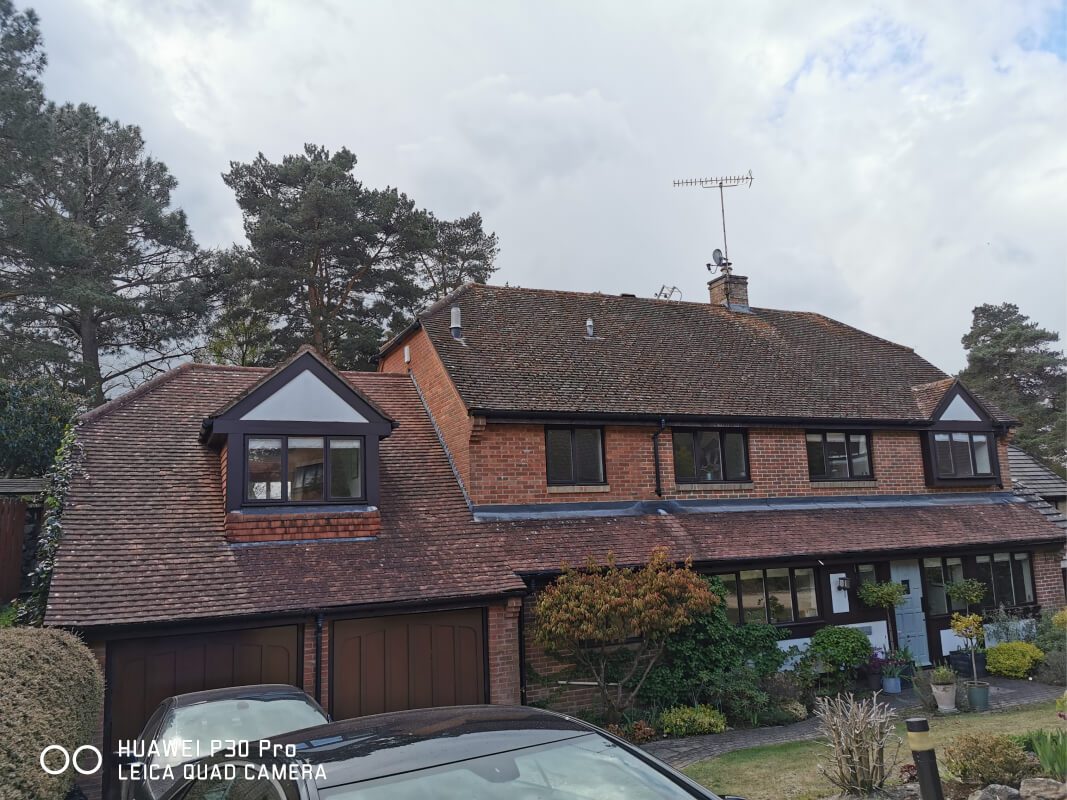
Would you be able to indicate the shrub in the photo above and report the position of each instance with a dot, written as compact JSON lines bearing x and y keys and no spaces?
{"x":793,"y":685}
{"x":795,"y":710}
{"x":691,"y":721}
{"x":1053,"y":669}
{"x":1051,"y":750}
{"x":860,"y":734}
{"x":978,"y":759}
{"x":942,"y":675}
{"x":1003,"y":626}
{"x":50,"y":693}
{"x":886,"y":596}
{"x":967,"y":591}
{"x":639,"y":732}
{"x":841,"y":651}
{"x":1013,"y":659}
{"x":1052,"y":630}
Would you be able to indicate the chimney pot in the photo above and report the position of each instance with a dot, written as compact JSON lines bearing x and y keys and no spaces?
{"x":729,"y":290}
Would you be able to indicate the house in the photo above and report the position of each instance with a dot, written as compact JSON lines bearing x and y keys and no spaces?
{"x":1027,"y":472}
{"x":380,"y":538}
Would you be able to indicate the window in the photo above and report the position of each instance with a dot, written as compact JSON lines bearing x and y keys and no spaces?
{"x":1008,"y":579}
{"x":839,"y":456}
{"x":708,"y":456}
{"x":939,"y":573}
{"x":866,"y":573}
{"x":776,"y":595}
{"x":962,"y":455}
{"x":307,"y":469}
{"x":574,"y":456}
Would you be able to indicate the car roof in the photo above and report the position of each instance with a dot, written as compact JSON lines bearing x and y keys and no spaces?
{"x":403,"y":741}
{"x":263,"y":691}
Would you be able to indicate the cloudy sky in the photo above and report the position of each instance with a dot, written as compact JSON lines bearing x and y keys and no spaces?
{"x":910,"y":158}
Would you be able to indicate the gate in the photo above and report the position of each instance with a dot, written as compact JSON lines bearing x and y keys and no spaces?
{"x":12,"y":528}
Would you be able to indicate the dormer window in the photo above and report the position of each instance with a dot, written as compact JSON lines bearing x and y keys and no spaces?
{"x":317,"y":469}
{"x":960,"y":447}
{"x":962,"y":455}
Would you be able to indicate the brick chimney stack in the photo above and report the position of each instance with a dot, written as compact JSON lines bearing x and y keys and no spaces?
{"x":729,"y":290}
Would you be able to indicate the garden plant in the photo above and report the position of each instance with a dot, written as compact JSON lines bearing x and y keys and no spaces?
{"x":886,"y":595}
{"x":862,"y":738}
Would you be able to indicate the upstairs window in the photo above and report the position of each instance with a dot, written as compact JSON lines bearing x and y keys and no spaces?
{"x":838,"y":456}
{"x":962,"y":455}
{"x":574,"y":456}
{"x":304,"y":469}
{"x":710,"y":456}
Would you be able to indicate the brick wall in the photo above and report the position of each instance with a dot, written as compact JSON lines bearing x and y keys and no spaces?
{"x":503,"y":650}
{"x":447,"y":407}
{"x":244,"y":527}
{"x":507,"y":464}
{"x":541,"y":688}
{"x":309,"y":661}
{"x":1048,"y":578}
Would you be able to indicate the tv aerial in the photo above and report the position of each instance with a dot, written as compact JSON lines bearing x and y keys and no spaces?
{"x":721,"y":258}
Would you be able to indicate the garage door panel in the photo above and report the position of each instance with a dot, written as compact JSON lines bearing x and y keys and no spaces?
{"x":407,"y":661}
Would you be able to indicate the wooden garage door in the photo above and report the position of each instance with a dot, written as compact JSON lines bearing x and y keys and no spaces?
{"x":407,"y":661}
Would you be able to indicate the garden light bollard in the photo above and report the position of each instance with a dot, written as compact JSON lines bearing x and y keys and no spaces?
{"x":922,"y":752}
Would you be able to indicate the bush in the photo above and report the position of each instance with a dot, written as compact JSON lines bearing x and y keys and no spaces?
{"x":1013,"y":659}
{"x":691,"y":721}
{"x":50,"y":693}
{"x":1052,"y":630}
{"x":794,"y":685}
{"x":1003,"y":626}
{"x":639,"y":732}
{"x":1051,"y":750}
{"x":841,"y":651}
{"x":978,"y":759}
{"x":1053,"y":669}
{"x":861,"y":734}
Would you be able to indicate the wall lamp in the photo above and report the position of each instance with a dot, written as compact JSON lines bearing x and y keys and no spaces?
{"x":844,"y":583}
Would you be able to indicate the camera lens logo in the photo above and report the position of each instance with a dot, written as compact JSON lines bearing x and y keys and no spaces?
{"x":75,"y":759}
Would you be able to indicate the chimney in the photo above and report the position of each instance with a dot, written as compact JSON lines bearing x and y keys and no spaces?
{"x":731,"y":291}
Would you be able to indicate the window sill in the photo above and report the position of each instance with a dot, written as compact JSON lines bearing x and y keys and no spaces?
{"x":853,"y":484}
{"x":723,"y":486}
{"x":580,"y":488}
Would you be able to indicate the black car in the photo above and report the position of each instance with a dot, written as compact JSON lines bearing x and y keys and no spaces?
{"x":454,"y":753}
{"x":189,"y":727}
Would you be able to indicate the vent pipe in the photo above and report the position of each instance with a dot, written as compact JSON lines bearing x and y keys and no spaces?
{"x":589,"y":327}
{"x":456,"y":324}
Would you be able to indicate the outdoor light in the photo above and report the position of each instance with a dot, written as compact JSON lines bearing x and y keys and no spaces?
{"x":844,"y":583}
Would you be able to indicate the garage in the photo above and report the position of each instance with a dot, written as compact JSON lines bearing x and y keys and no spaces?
{"x":408,"y":661}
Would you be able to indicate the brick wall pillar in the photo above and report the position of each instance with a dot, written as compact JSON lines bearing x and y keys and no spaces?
{"x":309,"y":661}
{"x":1048,"y":578}
{"x":504,"y":652}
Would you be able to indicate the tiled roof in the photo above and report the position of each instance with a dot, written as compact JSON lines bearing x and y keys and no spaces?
{"x":144,"y":537}
{"x":1031,"y":473}
{"x":526,"y":350}
{"x":22,"y":486}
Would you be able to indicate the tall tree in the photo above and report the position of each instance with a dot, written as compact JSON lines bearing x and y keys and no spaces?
{"x":33,"y":415}
{"x":21,"y":96}
{"x":1013,"y":362}
{"x":337,"y":264}
{"x":240,"y":333}
{"x":102,"y":274}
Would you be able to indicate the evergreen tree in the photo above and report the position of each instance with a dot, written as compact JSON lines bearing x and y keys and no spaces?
{"x":1011,"y":361}
{"x":462,"y":252}
{"x":33,"y":416}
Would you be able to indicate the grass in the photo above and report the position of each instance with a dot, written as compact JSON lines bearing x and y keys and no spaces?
{"x":7,"y":615}
{"x":790,"y":771}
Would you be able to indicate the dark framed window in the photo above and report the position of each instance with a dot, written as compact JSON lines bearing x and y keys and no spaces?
{"x":1008,"y":577}
{"x":963,"y":455}
{"x":839,"y":456}
{"x":938,"y":574}
{"x":304,"y":469}
{"x":775,"y":595}
{"x":574,"y":456}
{"x":710,"y":456}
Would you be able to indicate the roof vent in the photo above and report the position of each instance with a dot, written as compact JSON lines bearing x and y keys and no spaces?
{"x":456,"y":324}
{"x":589,"y":331}
{"x":627,"y":294}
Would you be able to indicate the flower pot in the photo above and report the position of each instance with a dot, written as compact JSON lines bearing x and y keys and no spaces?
{"x":960,"y":661}
{"x":945,"y":695}
{"x":978,"y":695}
{"x":891,"y":685}
{"x":874,"y":681}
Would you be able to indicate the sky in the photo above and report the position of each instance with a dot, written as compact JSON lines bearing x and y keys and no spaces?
{"x":909,"y":158}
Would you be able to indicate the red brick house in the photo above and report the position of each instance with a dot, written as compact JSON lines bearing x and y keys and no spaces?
{"x":379,"y":538}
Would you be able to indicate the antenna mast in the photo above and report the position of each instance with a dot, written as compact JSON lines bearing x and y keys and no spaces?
{"x":725,"y":182}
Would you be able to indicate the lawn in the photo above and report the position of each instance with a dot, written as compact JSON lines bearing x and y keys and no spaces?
{"x":790,"y":771}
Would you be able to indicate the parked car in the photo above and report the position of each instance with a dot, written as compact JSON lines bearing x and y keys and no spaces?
{"x":454,"y":753}
{"x":183,"y":728}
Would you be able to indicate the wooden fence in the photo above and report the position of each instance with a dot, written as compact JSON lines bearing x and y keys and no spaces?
{"x":12,"y":525}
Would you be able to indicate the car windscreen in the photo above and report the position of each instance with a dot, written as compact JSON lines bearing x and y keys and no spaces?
{"x":192,"y":729}
{"x":579,"y":768}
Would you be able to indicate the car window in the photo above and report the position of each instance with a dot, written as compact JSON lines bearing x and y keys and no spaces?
{"x":192,"y":729}
{"x":240,"y":788}
{"x":582,"y":768}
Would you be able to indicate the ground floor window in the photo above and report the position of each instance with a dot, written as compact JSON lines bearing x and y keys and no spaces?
{"x":775,"y":595}
{"x":939,"y":574}
{"x":1008,"y":578}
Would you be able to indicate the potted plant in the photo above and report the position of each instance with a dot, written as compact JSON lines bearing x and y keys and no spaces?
{"x":886,"y":595}
{"x":967,"y":592}
{"x":892,"y":669}
{"x":969,"y":628}
{"x":874,"y":670}
{"x":943,"y":685}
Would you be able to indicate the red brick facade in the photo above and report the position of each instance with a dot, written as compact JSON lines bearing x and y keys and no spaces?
{"x":1048,"y":578}
{"x":542,"y":684}
{"x":242,"y":527}
{"x":503,"y":649}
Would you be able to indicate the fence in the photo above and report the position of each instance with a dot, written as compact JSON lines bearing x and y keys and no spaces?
{"x":12,"y":526}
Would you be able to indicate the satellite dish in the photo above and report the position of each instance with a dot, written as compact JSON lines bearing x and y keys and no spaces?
{"x":716,"y":256}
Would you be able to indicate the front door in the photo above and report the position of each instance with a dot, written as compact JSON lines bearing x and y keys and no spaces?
{"x":910,"y":618}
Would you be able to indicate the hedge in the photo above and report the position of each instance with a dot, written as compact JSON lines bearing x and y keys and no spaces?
{"x":51,"y":689}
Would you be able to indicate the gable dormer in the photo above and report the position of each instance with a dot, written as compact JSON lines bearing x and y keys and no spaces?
{"x":960,"y":444}
{"x":300,"y":439}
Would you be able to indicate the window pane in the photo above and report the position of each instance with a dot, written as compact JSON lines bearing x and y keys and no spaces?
{"x":779,"y":595}
{"x":816,"y":462}
{"x":1002,"y":579}
{"x":346,"y":468}
{"x":837,"y":455}
{"x":558,"y":456}
{"x":935,"y":586}
{"x":982,"y":464}
{"x":943,"y":454}
{"x":589,"y":461}
{"x":734,"y":445}
{"x":866,"y":573}
{"x":305,"y":468}
{"x":961,"y":455}
{"x":985,"y":575}
{"x":265,"y":469}
{"x":1023,"y":579}
{"x":731,"y":597}
{"x":683,"y":457}
{"x":954,"y":573}
{"x":807,"y":602}
{"x":752,"y":599}
{"x":857,"y":451}
{"x":709,"y":457}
